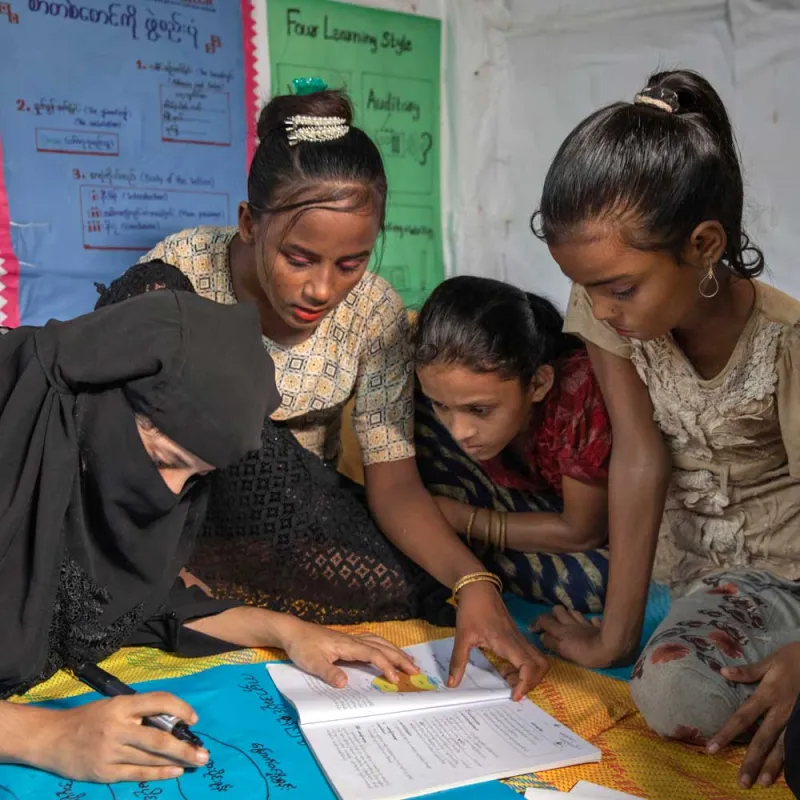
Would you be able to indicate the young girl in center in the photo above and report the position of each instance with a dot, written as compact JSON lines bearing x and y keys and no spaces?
{"x":642,"y":209}
{"x":513,"y":438}
{"x":336,"y":331}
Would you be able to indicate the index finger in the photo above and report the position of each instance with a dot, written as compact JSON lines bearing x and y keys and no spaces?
{"x":742,"y":720}
{"x":165,"y":745}
{"x":149,"y":704}
{"x":462,"y":646}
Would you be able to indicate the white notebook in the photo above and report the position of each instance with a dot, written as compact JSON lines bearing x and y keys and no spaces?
{"x":375,"y":741}
{"x":581,"y":791}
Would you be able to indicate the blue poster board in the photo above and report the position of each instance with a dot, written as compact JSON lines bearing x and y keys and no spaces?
{"x":121,"y":122}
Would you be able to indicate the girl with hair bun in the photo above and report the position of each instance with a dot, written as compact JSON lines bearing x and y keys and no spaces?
{"x":335,"y":331}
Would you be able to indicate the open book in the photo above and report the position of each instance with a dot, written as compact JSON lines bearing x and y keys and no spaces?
{"x":377,"y":741}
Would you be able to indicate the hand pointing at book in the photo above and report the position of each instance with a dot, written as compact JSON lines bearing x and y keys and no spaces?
{"x":482,"y":620}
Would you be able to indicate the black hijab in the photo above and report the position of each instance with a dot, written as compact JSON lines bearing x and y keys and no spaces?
{"x":91,"y":538}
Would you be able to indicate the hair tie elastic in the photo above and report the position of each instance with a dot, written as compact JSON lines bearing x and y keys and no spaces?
{"x":304,"y":86}
{"x":305,"y":128}
{"x":658,"y":97}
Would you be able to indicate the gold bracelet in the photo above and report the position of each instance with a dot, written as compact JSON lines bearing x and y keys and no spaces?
{"x":492,"y":532}
{"x":475,"y":577}
{"x":503,"y":530}
{"x":488,"y":512}
{"x":470,"y":523}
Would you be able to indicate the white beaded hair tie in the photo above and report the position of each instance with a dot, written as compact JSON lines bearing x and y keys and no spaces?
{"x":657,"y":97}
{"x":303,"y":128}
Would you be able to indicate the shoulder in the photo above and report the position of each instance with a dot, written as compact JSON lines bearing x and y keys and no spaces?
{"x":374,"y":302}
{"x":200,"y":240}
{"x":575,"y":421}
{"x":777,"y":306}
{"x":577,"y":385}
{"x":781,"y":313}
{"x":378,"y":292}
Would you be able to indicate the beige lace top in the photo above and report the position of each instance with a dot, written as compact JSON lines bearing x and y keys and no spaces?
{"x":360,"y":348}
{"x":734,"y":500}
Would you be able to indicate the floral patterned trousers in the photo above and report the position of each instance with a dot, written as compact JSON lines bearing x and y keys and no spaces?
{"x":731,"y":619}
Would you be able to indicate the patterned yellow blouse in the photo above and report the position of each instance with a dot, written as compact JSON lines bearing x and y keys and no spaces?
{"x":359,"y":348}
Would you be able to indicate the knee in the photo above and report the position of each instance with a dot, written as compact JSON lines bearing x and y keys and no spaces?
{"x":679,"y":696}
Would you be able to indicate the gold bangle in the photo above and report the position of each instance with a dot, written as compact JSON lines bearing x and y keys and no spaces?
{"x":475,"y":577}
{"x":470,"y":523}
{"x":488,"y":524}
{"x":503,"y":530}
{"x":497,"y":538}
{"x":490,"y":537}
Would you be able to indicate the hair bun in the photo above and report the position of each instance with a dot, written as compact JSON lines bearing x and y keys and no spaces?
{"x":329,"y":103}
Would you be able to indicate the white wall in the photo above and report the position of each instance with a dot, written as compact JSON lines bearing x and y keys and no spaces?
{"x":569,"y":58}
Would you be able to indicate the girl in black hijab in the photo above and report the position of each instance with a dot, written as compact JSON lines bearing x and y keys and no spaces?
{"x":108,"y":424}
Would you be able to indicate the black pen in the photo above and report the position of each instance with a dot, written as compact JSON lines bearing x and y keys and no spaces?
{"x":109,"y":686}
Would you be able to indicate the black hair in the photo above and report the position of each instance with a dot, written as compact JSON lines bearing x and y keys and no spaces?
{"x":286,"y":177}
{"x":655,"y":174}
{"x":141,"y":278}
{"x":490,"y":326}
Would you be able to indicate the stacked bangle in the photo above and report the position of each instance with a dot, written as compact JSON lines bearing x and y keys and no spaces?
{"x":475,"y":577}
{"x":470,"y":523}
{"x":496,"y":535}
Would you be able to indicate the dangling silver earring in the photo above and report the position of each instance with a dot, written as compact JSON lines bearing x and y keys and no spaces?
{"x":709,"y":277}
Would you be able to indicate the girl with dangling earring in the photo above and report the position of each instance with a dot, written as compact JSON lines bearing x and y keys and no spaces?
{"x":642,"y":210}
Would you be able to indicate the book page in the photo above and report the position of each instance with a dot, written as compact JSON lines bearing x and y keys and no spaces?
{"x":406,"y":755}
{"x":368,"y":694}
{"x":591,"y":791}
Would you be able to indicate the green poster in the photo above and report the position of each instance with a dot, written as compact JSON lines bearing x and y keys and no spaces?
{"x":389,"y":64}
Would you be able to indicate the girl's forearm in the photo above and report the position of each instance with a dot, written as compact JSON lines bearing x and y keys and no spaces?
{"x":411,"y":520}
{"x":247,"y":627}
{"x":639,"y":478}
{"x":535,"y":532}
{"x":21,"y":729}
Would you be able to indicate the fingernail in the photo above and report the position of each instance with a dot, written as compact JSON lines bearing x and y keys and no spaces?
{"x":451,"y":681}
{"x":194,"y":720}
{"x":765,"y":779}
{"x":174,"y":772}
{"x":713,"y":748}
{"x":201,"y":756}
{"x":746,"y":780}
